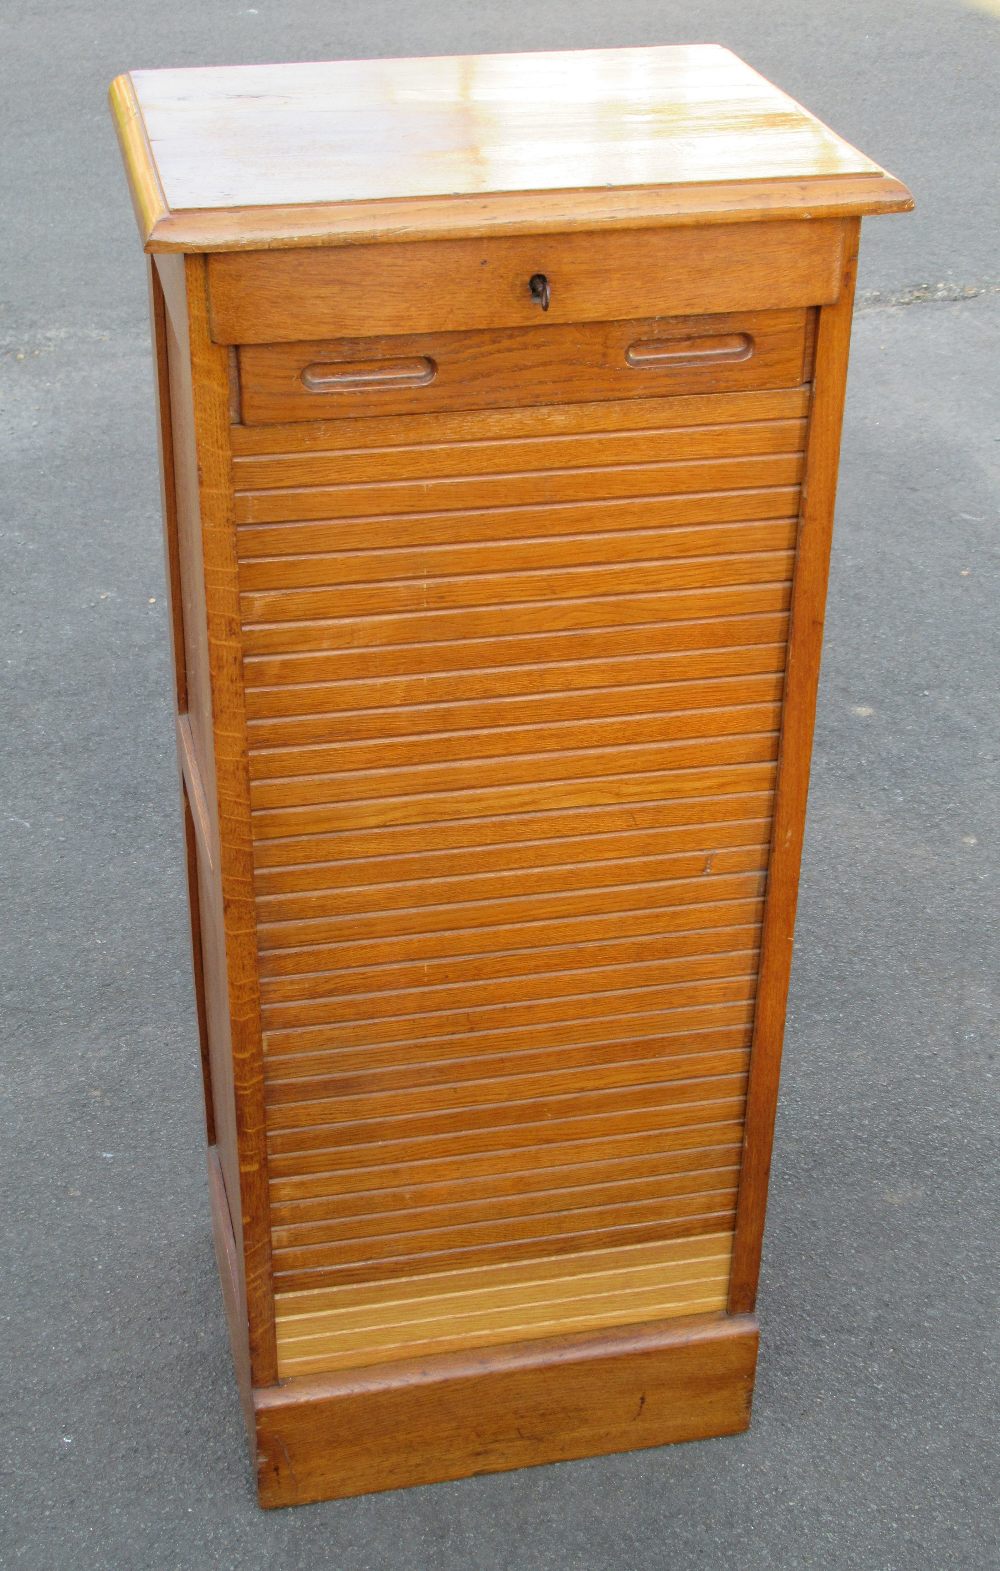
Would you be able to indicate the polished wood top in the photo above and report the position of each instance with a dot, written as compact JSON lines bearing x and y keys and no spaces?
{"x":280,"y":155}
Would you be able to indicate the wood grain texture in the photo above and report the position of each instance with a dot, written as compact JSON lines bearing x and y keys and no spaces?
{"x":479,"y":144}
{"x":804,"y":650}
{"x":572,"y":361}
{"x":421,"y":435}
{"x":437,"y":460}
{"x":434,"y":998}
{"x":230,"y":891}
{"x":352,"y":1326}
{"x":447,"y":286}
{"x":455,"y":1414}
{"x":230,"y":1263}
{"x":198,"y":827}
{"x":496,"y":634}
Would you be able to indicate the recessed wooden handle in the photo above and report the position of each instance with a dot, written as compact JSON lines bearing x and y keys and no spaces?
{"x":368,"y":375}
{"x":649,"y":354}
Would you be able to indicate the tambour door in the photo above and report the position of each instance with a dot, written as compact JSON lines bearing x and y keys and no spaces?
{"x":513,"y":685}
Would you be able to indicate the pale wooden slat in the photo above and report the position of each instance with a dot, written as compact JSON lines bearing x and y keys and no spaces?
{"x":539,"y":1280}
{"x":705,"y":1295}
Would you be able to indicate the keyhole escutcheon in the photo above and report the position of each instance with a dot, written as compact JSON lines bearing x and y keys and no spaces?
{"x":540,"y":290}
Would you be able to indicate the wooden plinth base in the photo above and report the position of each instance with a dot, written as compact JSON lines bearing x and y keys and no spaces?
{"x":422,"y":1421}
{"x":453,"y":1415}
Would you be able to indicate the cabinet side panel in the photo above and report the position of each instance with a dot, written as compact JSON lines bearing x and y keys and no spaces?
{"x":802,"y":676}
{"x":186,"y":580}
{"x":209,"y":372}
{"x":159,"y":325}
{"x":188,"y":575}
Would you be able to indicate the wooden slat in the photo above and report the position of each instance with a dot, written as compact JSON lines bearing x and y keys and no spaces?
{"x":509,"y":1122}
{"x":611,"y":611}
{"x":505,"y":754}
{"x":364,"y":465}
{"x":437,"y":1113}
{"x":513,"y":594}
{"x":304,"y":1151}
{"x":324,"y":1350}
{"x":488,"y":425}
{"x":664,"y":894}
{"x":365,"y":899}
{"x":750,"y":798}
{"x":723,"y":1011}
{"x":369,"y":1265}
{"x":346,"y":870}
{"x":549,"y":710}
{"x":530,"y":1281}
{"x":468,"y":693}
{"x":309,"y":1006}
{"x":534,"y":489}
{"x":551,"y":801}
{"x":326,"y":1070}
{"x":486,"y":659}
{"x":335,"y":1327}
{"x":511,"y":817}
{"x":601,"y":1206}
{"x":483,"y":1239}
{"x":650,"y":917}
{"x":650,"y":1041}
{"x":747,"y":735}
{"x":535,"y":970}
{"x":518,"y":1167}
{"x":674,"y":1189}
{"x":510,"y":1188}
{"x":283,"y":571}
{"x":529,"y":521}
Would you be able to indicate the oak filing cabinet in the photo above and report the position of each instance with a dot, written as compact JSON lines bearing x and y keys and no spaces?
{"x":500,"y":403}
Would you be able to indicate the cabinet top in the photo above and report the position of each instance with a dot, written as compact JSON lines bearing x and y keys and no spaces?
{"x":375,"y":150}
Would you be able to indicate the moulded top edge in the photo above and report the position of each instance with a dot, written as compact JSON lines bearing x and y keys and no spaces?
{"x":344,"y":152}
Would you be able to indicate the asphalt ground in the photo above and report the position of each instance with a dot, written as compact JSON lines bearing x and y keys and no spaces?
{"x":873,"y":1440}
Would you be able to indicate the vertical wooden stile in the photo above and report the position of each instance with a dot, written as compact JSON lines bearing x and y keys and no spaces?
{"x":210,"y":391}
{"x":805,"y":644}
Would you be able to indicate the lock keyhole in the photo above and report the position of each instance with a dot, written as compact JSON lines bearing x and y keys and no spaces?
{"x":540,"y":291}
